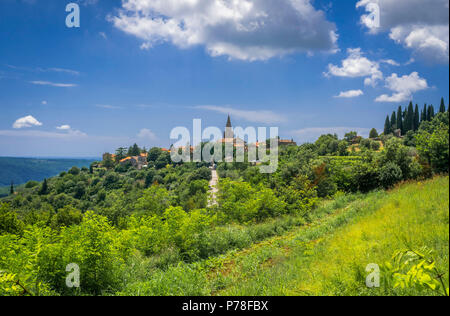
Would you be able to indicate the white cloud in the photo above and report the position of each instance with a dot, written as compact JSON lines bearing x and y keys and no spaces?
{"x":430,"y":42}
{"x":44,"y":102}
{"x":356,"y":65}
{"x":63,"y":70}
{"x":53,"y":84}
{"x":422,"y":27}
{"x":69,"y":131}
{"x":40,"y":69}
{"x":146,"y":46}
{"x":390,"y":62}
{"x":403,"y":87}
{"x":313,"y":133}
{"x":103,"y":34}
{"x":239,"y":29}
{"x":108,"y":106}
{"x":350,"y":94}
{"x":27,"y":121}
{"x":63,"y":127}
{"x":146,"y":134}
{"x":261,"y":116}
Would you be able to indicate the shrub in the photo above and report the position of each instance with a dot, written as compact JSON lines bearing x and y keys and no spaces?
{"x":74,"y":171}
{"x":390,"y":174}
{"x":31,"y":184}
{"x":154,"y":201}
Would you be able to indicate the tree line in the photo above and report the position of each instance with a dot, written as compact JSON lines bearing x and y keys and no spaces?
{"x":410,"y":118}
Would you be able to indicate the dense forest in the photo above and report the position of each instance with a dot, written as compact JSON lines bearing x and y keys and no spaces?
{"x":150,"y":231}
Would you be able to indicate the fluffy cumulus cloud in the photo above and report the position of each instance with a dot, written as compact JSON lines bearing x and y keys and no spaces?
{"x":403,"y":87}
{"x":357,"y":65}
{"x":350,"y":94}
{"x":146,"y":134}
{"x":240,"y":29}
{"x":27,"y":121}
{"x":422,"y":26}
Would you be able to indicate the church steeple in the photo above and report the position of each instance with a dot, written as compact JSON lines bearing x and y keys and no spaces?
{"x":228,"y":130}
{"x":229,"y":122}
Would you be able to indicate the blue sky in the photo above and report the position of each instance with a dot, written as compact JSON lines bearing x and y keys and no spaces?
{"x":135,"y":69}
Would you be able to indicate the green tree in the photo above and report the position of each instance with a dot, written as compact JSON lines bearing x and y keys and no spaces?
{"x":66,"y":217}
{"x":163,"y":160}
{"x":154,"y":154}
{"x":44,"y":188}
{"x":365,"y":143}
{"x":9,"y":224}
{"x":120,"y":153}
{"x":373,"y":133}
{"x":327,"y":144}
{"x":423,"y":114}
{"x":430,"y":113}
{"x":390,"y":174}
{"x":11,"y":189}
{"x":149,"y":178}
{"x":154,"y":201}
{"x":375,"y":146}
{"x":134,"y":150}
{"x":350,"y":136}
{"x":442,"y":107}
{"x":393,"y":122}
{"x":416,"y":118}
{"x":74,"y":171}
{"x":342,"y":148}
{"x":396,"y":152}
{"x":433,"y":142}
{"x":108,"y":162}
{"x":409,"y":121}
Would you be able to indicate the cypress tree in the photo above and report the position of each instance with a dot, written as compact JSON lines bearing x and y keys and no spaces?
{"x":44,"y":188}
{"x":416,"y":118}
{"x":11,"y":190}
{"x":442,"y":108}
{"x":400,"y":119}
{"x":393,"y":121}
{"x":409,"y":120}
{"x":387,"y":126}
{"x":423,"y":114}
{"x":430,"y":113}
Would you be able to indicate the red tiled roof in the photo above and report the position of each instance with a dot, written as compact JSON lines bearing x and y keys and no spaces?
{"x":126,"y":159}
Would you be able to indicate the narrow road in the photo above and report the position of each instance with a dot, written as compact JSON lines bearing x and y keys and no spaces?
{"x":213,"y":188}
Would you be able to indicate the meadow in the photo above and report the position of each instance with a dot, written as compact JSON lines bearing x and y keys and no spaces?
{"x":330,"y":257}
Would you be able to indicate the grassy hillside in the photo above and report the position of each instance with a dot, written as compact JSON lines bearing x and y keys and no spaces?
{"x":22,"y":170}
{"x":330,"y":257}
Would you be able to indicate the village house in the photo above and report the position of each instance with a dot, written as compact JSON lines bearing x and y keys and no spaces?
{"x":138,"y":162}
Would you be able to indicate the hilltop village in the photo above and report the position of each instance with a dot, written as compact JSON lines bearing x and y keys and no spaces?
{"x":139,"y":158}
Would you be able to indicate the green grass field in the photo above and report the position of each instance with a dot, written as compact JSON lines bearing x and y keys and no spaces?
{"x":330,"y":257}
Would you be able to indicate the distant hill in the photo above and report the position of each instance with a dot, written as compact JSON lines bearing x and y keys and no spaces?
{"x":22,"y":170}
